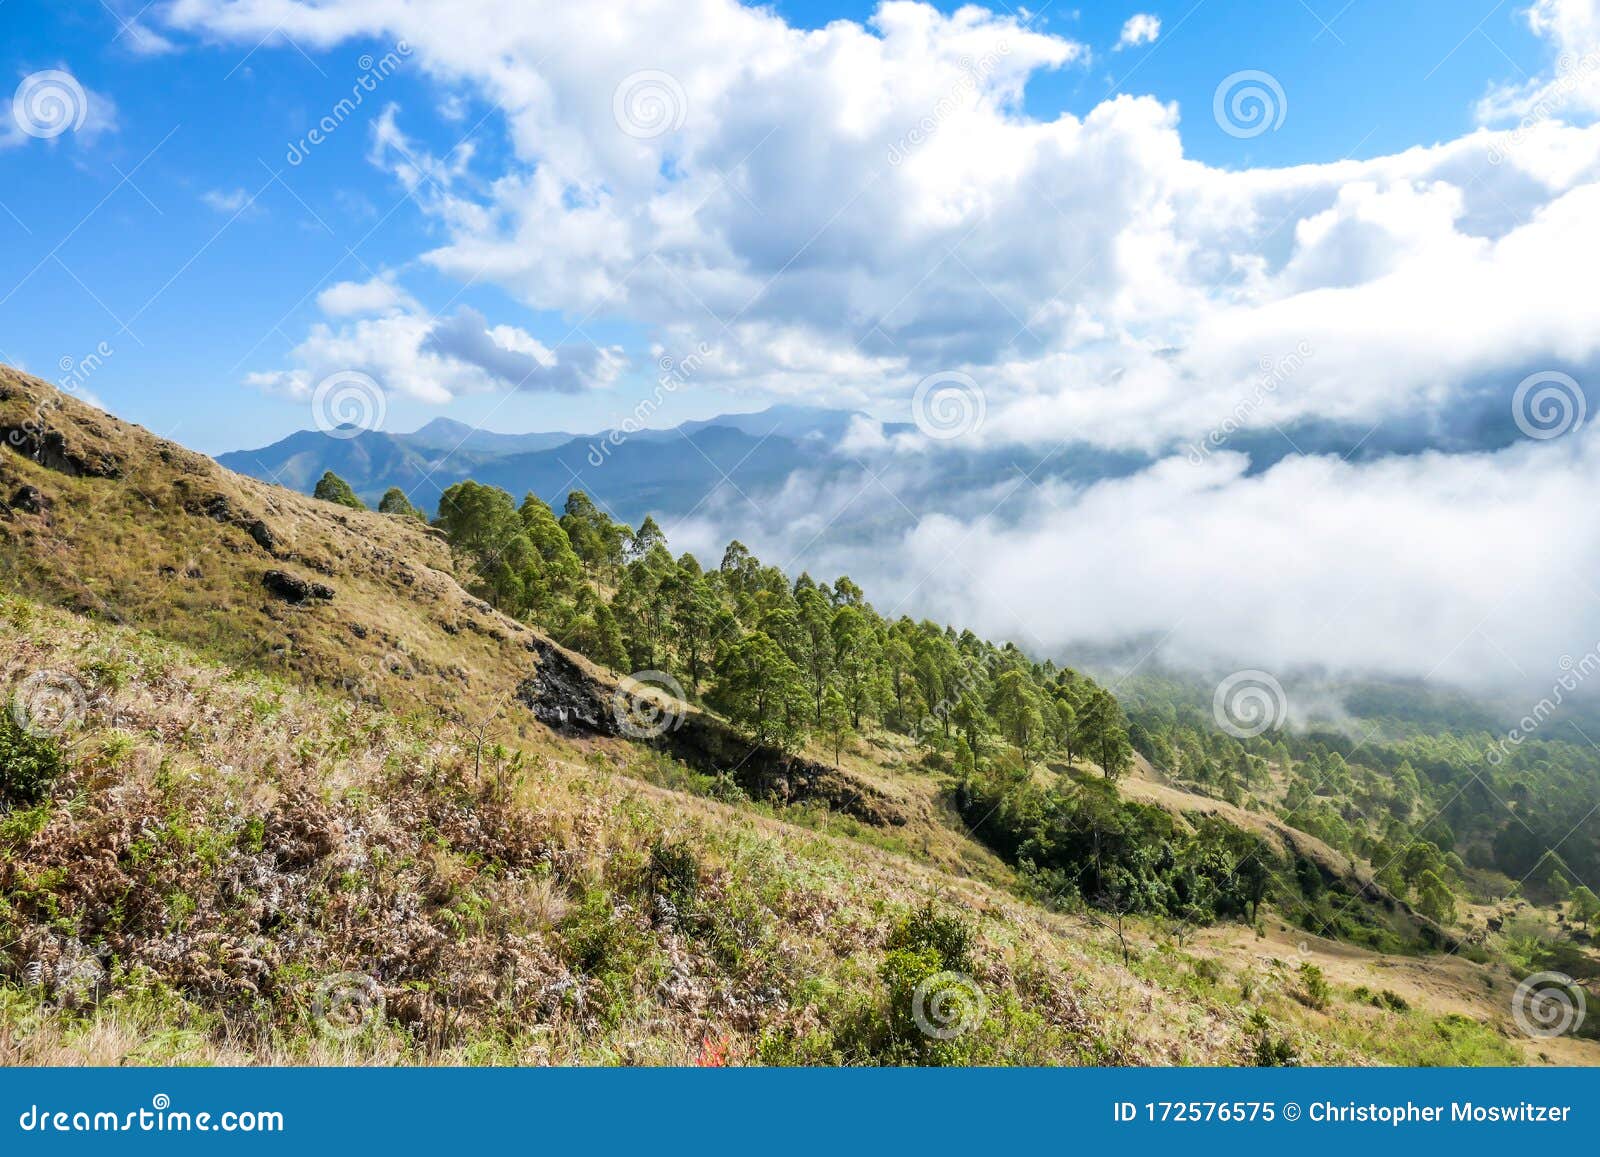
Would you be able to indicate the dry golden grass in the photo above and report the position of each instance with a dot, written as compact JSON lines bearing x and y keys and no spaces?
{"x":317,"y":805}
{"x":381,"y":856}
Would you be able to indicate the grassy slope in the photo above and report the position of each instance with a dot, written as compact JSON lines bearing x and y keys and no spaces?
{"x":258,"y":833}
{"x":224,"y":844}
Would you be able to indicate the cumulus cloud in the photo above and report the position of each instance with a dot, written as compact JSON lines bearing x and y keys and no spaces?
{"x":843,"y":211}
{"x":839,"y":213}
{"x":53,"y":106}
{"x":377,"y":295}
{"x":515,"y":360}
{"x":230,"y":202}
{"x":1572,"y":28}
{"x":1140,"y":28}
{"x":382,"y":332}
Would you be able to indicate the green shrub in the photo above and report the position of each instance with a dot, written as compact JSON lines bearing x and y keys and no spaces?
{"x":1273,"y":1052}
{"x":29,"y":764}
{"x":331,"y":488}
{"x":931,"y":1010}
{"x":1387,"y":999}
{"x":949,"y":937}
{"x":1314,"y":991}
{"x":675,"y":874}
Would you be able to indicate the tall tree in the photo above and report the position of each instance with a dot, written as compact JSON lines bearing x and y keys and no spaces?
{"x":395,"y":502}
{"x":761,"y":689}
{"x":331,"y":488}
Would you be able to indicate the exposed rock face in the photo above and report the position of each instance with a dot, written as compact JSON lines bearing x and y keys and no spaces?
{"x":30,"y":499}
{"x":567,"y":699}
{"x":262,"y":533}
{"x":292,"y":589}
{"x":49,"y":448}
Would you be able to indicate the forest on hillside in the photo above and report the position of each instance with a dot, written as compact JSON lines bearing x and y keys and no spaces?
{"x":1033,"y":749}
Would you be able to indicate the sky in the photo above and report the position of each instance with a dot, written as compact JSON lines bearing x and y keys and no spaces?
{"x":1147,"y":228}
{"x":175,"y":227}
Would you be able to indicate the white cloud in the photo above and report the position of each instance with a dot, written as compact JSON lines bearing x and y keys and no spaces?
{"x":839,"y":212}
{"x":384,"y":333}
{"x":233,"y":202}
{"x":51,"y":106}
{"x":142,"y":40}
{"x":1468,"y":567}
{"x":1572,"y":28}
{"x":1140,"y":28}
{"x":379,"y":295}
{"x":515,"y":360}
{"x":846,"y":210}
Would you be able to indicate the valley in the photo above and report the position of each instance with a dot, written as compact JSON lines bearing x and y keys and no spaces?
{"x":291,"y":780}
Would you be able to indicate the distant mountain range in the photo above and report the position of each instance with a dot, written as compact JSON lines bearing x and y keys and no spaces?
{"x":649,"y":471}
{"x":741,"y":462}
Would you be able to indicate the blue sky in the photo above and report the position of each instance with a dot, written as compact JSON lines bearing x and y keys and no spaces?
{"x":138,"y":235}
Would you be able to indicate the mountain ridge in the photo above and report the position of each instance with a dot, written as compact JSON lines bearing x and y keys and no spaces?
{"x":633,"y":474}
{"x":116,"y":525}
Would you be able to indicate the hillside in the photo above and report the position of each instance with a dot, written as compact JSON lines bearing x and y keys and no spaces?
{"x":307,"y":766}
{"x":284,"y":876}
